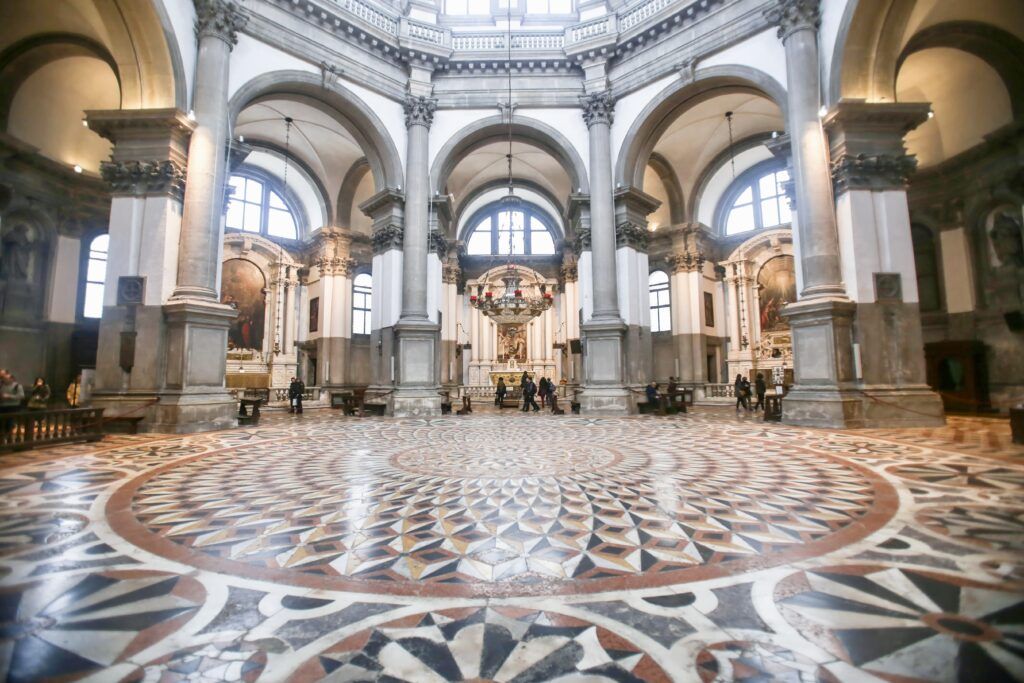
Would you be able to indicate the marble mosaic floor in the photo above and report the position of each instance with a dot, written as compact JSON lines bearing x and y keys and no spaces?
{"x":517,"y":548}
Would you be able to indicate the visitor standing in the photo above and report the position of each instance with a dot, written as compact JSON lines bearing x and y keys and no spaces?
{"x":524,"y":379}
{"x":529,"y":391}
{"x":737,"y":389}
{"x":295,"y":391}
{"x":74,"y":391}
{"x":39,"y":397}
{"x":542,"y":386}
{"x":760,"y":388}
{"x":499,"y":395}
{"x":746,"y":394}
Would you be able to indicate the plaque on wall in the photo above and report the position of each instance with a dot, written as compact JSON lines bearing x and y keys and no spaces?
{"x":131,"y":290}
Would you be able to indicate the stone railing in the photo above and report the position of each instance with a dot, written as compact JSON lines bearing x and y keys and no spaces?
{"x":424,"y":32}
{"x":588,"y":30}
{"x":371,"y":15}
{"x":484,"y":42}
{"x":635,"y":15}
{"x":309,"y":395}
{"x":719,"y":391}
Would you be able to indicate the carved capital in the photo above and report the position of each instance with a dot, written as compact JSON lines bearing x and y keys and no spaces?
{"x":794,"y":15}
{"x":145,"y":177}
{"x":872,"y":172}
{"x":598,"y":107}
{"x":387,"y":237}
{"x":569,"y":273}
{"x":450,"y":273}
{"x":419,"y":110}
{"x":438,"y":244}
{"x":685,"y":262}
{"x":219,"y":19}
{"x":581,"y":242}
{"x":631,"y":235}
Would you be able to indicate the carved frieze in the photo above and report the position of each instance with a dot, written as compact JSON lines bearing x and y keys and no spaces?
{"x":794,"y":15}
{"x":145,"y":177}
{"x":872,"y":172}
{"x":220,"y":19}
{"x":598,"y":107}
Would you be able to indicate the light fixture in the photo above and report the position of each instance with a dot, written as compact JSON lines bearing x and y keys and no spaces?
{"x":732,"y":153}
{"x":822,"y":112}
{"x":78,"y":169}
{"x":931,"y":114}
{"x":241,"y":138}
{"x":512,"y":306}
{"x":85,"y":123}
{"x":191,"y":114}
{"x":509,"y":198}
{"x":288,"y":121}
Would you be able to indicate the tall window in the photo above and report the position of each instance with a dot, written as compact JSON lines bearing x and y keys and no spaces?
{"x":661,"y":305}
{"x":95,"y":276}
{"x":759,"y":204}
{"x":510,"y":232}
{"x":362,"y":288}
{"x":254,"y":207}
{"x":926,"y":264}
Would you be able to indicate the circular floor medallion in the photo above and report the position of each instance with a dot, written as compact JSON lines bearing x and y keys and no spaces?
{"x":545,"y":460}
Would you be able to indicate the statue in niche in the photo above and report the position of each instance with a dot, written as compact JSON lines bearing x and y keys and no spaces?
{"x":512,"y":343}
{"x":1007,"y":240}
{"x":16,"y":254}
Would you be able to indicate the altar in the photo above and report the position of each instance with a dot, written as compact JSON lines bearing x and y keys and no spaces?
{"x":512,"y":377}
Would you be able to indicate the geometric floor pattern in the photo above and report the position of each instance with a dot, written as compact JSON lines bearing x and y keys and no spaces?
{"x":514,"y":547}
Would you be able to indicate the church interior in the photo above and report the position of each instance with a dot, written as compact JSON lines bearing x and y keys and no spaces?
{"x":511,"y":340}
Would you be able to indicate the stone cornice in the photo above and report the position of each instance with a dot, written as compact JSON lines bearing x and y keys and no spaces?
{"x":387,"y":238}
{"x":387,"y":198}
{"x":219,"y":19}
{"x":419,"y":110}
{"x":872,"y":172}
{"x":145,"y":178}
{"x":631,"y":235}
{"x":794,"y":15}
{"x":598,"y":107}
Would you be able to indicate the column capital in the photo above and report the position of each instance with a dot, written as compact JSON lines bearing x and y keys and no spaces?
{"x":438,"y":244}
{"x":598,"y":107}
{"x":451,"y":273}
{"x":581,"y":242}
{"x":419,"y":110}
{"x":794,"y":15}
{"x":336,"y":265}
{"x":685,"y":262}
{"x":872,"y":171}
{"x":569,"y":273}
{"x":219,"y":19}
{"x":631,"y":235}
{"x":387,"y":238}
{"x":145,"y":178}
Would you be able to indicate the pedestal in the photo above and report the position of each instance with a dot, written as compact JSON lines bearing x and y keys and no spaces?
{"x":416,"y":369}
{"x":603,"y":390}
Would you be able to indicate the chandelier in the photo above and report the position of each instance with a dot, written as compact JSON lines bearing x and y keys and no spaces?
{"x":511,"y":306}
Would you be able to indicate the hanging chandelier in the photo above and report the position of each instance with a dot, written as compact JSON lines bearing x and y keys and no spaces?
{"x":512,"y":306}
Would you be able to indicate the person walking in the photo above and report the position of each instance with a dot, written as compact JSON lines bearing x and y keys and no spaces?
{"x":746,"y":394}
{"x":74,"y":392}
{"x":529,"y":391}
{"x":760,"y":388}
{"x":39,"y":396}
{"x":737,"y":389}
{"x":499,"y":395}
{"x":542,"y":388}
{"x":295,"y":391}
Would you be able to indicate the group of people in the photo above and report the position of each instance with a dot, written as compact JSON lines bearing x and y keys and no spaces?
{"x":742,"y":389}
{"x":545,"y":388}
{"x":652,"y":390}
{"x":14,"y":396}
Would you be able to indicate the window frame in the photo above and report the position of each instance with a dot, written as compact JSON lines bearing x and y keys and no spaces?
{"x":366,"y":313}
{"x":83,"y":275}
{"x":655,"y":292}
{"x":270,"y":184}
{"x":751,"y":178}
{"x":529,"y":210}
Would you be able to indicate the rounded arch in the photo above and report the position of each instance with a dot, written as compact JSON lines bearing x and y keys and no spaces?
{"x":525,"y":129}
{"x":657,"y":116}
{"x":529,"y":208}
{"x":347,"y":192}
{"x":676,"y":201}
{"x":700,"y":187}
{"x":459,"y":223}
{"x":342,"y":104}
{"x":306,"y":173}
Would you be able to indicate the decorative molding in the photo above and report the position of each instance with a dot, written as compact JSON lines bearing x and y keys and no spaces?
{"x":888,"y":287}
{"x":145,"y":177}
{"x":437,"y":243}
{"x":685,"y":262}
{"x":451,"y":273}
{"x":336,"y":266}
{"x":219,"y":19}
{"x":631,"y":235}
{"x":794,"y":15}
{"x":419,"y":110}
{"x":581,"y":242}
{"x":387,"y":238}
{"x":872,"y":172}
{"x":598,"y":107}
{"x":569,"y":273}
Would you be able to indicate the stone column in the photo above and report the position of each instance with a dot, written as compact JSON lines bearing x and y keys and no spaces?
{"x":603,"y":363}
{"x":825,"y":392}
{"x":871,"y":169}
{"x":416,"y":366}
{"x":387,"y":209}
{"x":632,"y":206}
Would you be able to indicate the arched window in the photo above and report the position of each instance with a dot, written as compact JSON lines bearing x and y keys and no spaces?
{"x":758,"y":201}
{"x":661,"y":304}
{"x":510,"y":231}
{"x":254,"y":207}
{"x":362,"y":288}
{"x":95,"y":277}
{"x":926,"y":263}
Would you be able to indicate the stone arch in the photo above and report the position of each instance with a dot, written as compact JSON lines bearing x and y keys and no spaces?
{"x":525,"y":129}
{"x":342,"y":104}
{"x":305,"y":172}
{"x":651,"y":123}
{"x":347,"y":191}
{"x":709,"y":171}
{"x":676,"y":200}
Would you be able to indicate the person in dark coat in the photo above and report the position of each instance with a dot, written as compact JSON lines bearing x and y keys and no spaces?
{"x":760,"y":388}
{"x":499,"y":395}
{"x":652,"y":393}
{"x":542,"y":389}
{"x":746,"y":394}
{"x":737,"y":389}
{"x":529,"y":391}
{"x":295,"y":391}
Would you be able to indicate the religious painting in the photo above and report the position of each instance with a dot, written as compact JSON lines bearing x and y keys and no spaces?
{"x":243,"y":287}
{"x":512,"y":342}
{"x":709,"y":309}
{"x":314,"y":314}
{"x":777,"y":286}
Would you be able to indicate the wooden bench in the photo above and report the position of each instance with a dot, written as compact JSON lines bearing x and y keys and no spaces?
{"x":32,"y":428}
{"x":555,"y":410}
{"x":772,"y":408}
{"x":246,"y":418}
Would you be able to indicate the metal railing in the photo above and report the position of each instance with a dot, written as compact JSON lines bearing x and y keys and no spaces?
{"x":31,"y":428}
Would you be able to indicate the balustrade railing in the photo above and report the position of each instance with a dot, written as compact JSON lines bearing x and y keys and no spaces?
{"x":591,"y":29}
{"x":371,"y":15}
{"x":630,"y":18}
{"x":32,"y":428}
{"x":720,"y":390}
{"x":310,"y":394}
{"x":483,"y":42}
{"x":428,"y":33}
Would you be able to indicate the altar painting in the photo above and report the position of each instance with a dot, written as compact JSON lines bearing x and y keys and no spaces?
{"x":777,"y":286}
{"x":512,"y":343}
{"x":244,"y":288}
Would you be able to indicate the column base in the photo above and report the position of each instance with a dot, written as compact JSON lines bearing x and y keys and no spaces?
{"x":412,"y":403}
{"x":172,"y":413}
{"x":416,"y":371}
{"x":869,"y":408}
{"x":605,"y":401}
